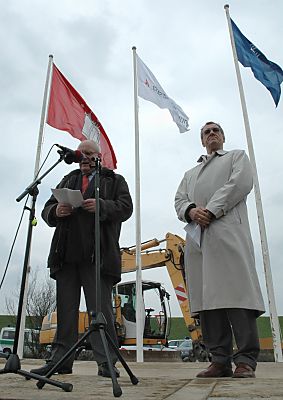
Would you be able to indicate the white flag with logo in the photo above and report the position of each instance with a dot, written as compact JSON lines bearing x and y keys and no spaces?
{"x":150,"y":89}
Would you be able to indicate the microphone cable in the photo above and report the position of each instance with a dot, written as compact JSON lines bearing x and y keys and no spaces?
{"x":21,"y":219}
{"x":13,"y":244}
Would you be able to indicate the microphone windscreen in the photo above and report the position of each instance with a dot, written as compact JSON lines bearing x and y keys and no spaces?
{"x":73,"y":157}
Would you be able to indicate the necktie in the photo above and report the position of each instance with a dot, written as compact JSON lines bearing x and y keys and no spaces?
{"x":85,"y":183}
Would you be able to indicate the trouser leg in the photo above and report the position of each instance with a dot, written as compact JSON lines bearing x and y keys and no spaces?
{"x":217,"y":335}
{"x":68,"y":290}
{"x":245,"y":331}
{"x":89,"y":286}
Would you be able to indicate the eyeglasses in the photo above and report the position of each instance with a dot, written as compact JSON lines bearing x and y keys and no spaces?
{"x":214,"y":130}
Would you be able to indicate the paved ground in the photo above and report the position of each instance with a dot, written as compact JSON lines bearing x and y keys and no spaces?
{"x":157,"y":380}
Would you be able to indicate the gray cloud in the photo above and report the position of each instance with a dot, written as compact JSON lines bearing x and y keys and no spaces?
{"x":187,"y":47}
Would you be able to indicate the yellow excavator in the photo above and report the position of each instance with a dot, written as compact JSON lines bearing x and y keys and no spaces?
{"x":156,"y":325}
{"x":171,"y":257}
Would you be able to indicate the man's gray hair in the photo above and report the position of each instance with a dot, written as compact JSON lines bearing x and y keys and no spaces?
{"x":94,"y":144}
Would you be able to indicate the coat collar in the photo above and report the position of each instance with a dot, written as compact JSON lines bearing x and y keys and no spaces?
{"x":204,"y":157}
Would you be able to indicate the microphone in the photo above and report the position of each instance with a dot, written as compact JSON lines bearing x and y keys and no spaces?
{"x":70,"y":156}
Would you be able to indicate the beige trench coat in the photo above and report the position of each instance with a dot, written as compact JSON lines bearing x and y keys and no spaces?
{"x":221,"y":272}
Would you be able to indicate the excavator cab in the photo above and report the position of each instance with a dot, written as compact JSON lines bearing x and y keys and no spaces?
{"x":155,"y":319}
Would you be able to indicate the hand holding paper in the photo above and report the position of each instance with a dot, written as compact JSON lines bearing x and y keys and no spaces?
{"x":194,"y":231}
{"x":69,"y":196}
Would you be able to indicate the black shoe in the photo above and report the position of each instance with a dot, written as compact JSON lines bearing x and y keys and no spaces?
{"x":46,"y":368}
{"x":64,"y":371}
{"x":103,"y":370}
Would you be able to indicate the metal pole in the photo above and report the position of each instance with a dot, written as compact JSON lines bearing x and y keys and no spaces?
{"x":43,"y":116}
{"x":139,"y":302}
{"x":275,"y":327}
{"x":36,"y":168}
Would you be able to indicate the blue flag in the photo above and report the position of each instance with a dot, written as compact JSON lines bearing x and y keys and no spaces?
{"x":267,"y":72}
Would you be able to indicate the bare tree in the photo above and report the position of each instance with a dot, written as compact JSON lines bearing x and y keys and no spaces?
{"x":41,"y":300}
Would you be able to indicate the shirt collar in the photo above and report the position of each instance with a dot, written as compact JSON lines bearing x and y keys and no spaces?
{"x":205,"y":157}
{"x":91,"y":175}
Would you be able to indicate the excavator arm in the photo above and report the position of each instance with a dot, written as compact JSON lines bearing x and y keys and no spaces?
{"x":172,"y":257}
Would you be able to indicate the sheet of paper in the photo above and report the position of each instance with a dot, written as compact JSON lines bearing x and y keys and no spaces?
{"x":65,"y":195}
{"x":194,"y":231}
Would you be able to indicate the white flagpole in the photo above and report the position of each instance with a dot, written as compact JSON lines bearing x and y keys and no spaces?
{"x":139,"y":301}
{"x":274,"y":321}
{"x":43,"y":116}
{"x":36,"y":168}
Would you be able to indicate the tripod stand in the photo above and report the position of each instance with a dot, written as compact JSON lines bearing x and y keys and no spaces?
{"x":98,"y":321}
{"x":13,"y":364}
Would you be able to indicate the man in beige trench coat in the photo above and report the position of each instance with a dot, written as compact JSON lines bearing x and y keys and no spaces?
{"x":221,"y":276}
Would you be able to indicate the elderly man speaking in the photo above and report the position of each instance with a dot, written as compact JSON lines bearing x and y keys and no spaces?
{"x":221,"y":276}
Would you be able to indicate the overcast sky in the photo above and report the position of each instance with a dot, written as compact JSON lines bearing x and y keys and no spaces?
{"x":186,"y":45}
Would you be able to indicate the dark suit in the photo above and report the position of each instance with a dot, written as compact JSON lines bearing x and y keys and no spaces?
{"x":72,"y":257}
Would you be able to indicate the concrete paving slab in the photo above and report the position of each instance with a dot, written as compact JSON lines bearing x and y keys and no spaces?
{"x":157,"y":380}
{"x":194,"y":391}
{"x":263,"y":388}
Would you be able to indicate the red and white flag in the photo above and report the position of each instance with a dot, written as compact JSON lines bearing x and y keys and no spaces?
{"x":69,"y":112}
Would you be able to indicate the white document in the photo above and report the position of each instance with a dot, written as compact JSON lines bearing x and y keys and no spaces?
{"x":65,"y":195}
{"x":194,"y":231}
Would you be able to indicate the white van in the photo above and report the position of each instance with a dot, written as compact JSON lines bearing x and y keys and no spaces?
{"x":7,"y":336}
{"x":175,"y":343}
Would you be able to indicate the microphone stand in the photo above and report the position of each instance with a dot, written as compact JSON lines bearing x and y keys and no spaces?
{"x":13,"y":364}
{"x":98,"y":321}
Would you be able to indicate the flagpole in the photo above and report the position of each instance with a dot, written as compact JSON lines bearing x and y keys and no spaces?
{"x":274,"y":321}
{"x":139,"y":302}
{"x":43,"y":117}
{"x":36,"y":169}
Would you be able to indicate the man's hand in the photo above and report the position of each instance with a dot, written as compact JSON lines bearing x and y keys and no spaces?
{"x":63,"y":210}
{"x":89,"y":205}
{"x":202,"y":216}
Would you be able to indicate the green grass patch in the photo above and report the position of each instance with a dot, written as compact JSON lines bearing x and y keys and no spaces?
{"x":179,"y":330}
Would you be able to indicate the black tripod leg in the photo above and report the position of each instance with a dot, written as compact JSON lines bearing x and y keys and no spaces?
{"x":67,"y":387}
{"x":41,"y":384}
{"x":133,"y":378}
{"x":117,"y":391}
{"x":13,"y":365}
